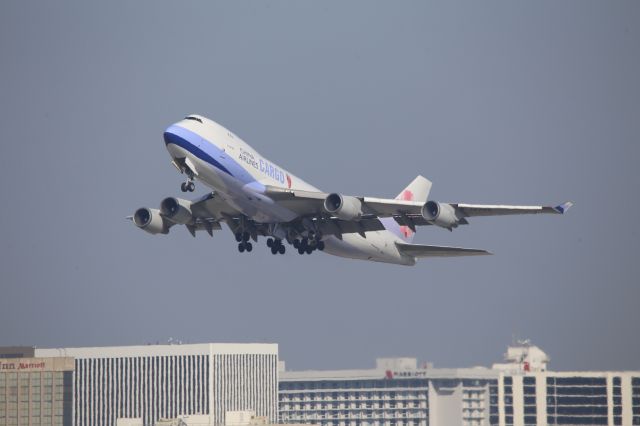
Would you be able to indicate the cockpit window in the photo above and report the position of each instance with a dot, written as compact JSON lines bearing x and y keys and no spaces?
{"x":193,"y":118}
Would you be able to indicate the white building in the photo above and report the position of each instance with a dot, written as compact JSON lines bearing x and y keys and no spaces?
{"x":519,"y":392}
{"x":167,"y":381}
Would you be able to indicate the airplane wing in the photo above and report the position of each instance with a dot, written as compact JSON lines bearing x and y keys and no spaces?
{"x":406,"y":213}
{"x":207,"y":213}
{"x":204,"y":213}
{"x":212,"y":206}
{"x":419,"y":250}
{"x":311,"y":202}
{"x":469,"y":210}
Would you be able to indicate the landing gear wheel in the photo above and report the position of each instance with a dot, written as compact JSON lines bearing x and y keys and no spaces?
{"x":269,"y":242}
{"x":296,"y":243}
{"x":274,"y":250}
{"x":300,"y":250}
{"x":321,"y":245}
{"x":238,"y":237}
{"x":183,"y":187}
{"x":191,"y":186}
{"x":309,"y":250}
{"x":241,"y":248}
{"x":281,"y":249}
{"x":248,"y":246}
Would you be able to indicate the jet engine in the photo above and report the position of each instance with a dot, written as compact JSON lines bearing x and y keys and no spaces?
{"x":343,"y":206}
{"x":440,"y":214}
{"x":176,"y":209}
{"x":150,"y":220}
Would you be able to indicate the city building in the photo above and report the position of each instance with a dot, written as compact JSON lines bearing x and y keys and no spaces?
{"x":167,"y":381}
{"x":519,"y":392}
{"x":35,"y":391}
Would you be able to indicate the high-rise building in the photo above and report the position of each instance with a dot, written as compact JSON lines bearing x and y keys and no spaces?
{"x":35,"y":391}
{"x":519,"y":392}
{"x":167,"y":381}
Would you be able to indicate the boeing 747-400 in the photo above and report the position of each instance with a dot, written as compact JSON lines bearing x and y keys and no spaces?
{"x":257,"y":198}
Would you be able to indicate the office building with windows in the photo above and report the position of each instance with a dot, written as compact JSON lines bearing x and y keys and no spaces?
{"x":518,"y":392}
{"x":167,"y":381}
{"x":35,"y":391}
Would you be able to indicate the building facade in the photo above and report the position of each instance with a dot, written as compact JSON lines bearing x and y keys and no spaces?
{"x":35,"y":391}
{"x":520,"y":392}
{"x":389,"y":398}
{"x":166,"y":381}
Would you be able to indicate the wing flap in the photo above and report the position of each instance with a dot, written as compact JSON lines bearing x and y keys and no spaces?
{"x":212,"y":206}
{"x":384,"y":207}
{"x":419,"y":250}
{"x":338,"y":227}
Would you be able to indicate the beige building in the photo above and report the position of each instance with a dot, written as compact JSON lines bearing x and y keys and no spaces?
{"x":35,"y":391}
{"x":520,"y":391}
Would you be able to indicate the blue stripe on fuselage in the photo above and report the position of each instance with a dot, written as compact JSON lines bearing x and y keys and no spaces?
{"x":207,"y":152}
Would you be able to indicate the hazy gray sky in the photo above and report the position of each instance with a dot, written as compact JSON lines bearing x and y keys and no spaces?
{"x":495,"y":102}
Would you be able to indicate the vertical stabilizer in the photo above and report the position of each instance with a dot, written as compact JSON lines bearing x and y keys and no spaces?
{"x":417,"y":190}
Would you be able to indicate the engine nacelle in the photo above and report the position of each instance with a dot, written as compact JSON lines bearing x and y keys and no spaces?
{"x":150,"y":220}
{"x":176,"y":209}
{"x":440,"y":214}
{"x":343,"y":206}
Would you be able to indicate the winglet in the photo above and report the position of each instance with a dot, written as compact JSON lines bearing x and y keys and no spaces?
{"x":564,"y":207}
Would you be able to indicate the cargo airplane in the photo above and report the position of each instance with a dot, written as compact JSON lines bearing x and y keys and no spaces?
{"x":256,"y":198}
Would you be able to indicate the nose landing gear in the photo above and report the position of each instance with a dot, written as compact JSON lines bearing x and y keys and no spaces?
{"x":188,"y":186}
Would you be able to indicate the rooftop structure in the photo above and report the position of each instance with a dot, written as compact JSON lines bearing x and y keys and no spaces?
{"x":523,"y":357}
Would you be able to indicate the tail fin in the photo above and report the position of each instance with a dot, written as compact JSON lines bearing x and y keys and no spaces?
{"x":417,"y":190}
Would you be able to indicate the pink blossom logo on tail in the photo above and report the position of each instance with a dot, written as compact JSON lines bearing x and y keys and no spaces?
{"x":288,"y":181}
{"x":406,"y":196}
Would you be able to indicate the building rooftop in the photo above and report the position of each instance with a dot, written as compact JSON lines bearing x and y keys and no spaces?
{"x":161,"y":350}
{"x":17,"y":351}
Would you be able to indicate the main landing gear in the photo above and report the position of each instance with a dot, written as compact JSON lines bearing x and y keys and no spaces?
{"x":308,"y":246}
{"x":243,"y":242}
{"x":276,"y":246}
{"x":188,"y":186}
{"x":304,"y":245}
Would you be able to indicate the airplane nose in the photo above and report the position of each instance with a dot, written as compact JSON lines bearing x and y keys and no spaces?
{"x":170,"y":136}
{"x":178,"y":136}
{"x":179,"y":140}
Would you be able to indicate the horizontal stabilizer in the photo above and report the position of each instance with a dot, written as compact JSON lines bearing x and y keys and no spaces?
{"x":562,"y":208}
{"x":419,"y":250}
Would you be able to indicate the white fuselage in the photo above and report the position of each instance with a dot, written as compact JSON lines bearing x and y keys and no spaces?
{"x":240,"y":175}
